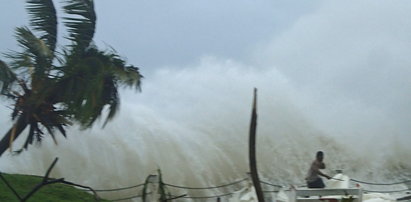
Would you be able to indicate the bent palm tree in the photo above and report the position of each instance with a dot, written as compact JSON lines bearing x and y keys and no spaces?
{"x":51,"y":90}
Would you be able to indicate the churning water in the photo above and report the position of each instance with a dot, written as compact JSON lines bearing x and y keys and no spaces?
{"x":193,"y":125}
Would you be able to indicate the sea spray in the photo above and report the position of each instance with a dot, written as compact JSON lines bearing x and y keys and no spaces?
{"x":192,"y":123}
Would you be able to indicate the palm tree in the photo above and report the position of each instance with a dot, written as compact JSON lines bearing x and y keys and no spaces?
{"x":52,"y":88}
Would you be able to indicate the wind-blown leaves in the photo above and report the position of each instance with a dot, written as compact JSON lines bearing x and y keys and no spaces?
{"x":43,"y":18}
{"x":98,"y":74}
{"x":54,"y":92}
{"x":35,"y":49}
{"x":127,"y":75}
{"x":7,"y":77}
{"x":82,"y":25}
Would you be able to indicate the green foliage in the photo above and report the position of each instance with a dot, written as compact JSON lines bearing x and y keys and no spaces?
{"x":44,"y":20}
{"x":81,"y":23}
{"x":51,"y":193}
{"x":7,"y":77}
{"x":52,"y":92}
{"x":36,"y":55}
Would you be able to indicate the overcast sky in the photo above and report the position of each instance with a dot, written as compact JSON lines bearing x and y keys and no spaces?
{"x":157,"y":33}
{"x":344,"y":57}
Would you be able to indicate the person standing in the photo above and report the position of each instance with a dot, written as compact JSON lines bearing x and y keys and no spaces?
{"x":313,"y":178}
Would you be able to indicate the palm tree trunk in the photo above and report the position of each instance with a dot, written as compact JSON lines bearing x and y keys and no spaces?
{"x":21,"y":124}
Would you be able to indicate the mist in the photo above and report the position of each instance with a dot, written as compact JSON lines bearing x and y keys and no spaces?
{"x":334,"y":78}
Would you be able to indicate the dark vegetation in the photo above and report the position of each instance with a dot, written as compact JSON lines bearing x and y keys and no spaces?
{"x":51,"y":85}
{"x":23,"y":184}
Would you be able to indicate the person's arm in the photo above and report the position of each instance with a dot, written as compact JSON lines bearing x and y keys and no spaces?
{"x":324,"y":175}
{"x":321,"y":165}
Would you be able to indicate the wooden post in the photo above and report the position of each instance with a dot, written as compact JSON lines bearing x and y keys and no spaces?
{"x":252,"y":150}
{"x":153,"y":181}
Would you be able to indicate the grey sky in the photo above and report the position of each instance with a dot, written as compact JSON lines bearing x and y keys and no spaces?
{"x":174,"y":33}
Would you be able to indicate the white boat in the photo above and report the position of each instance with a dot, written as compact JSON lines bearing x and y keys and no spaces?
{"x":338,"y":190}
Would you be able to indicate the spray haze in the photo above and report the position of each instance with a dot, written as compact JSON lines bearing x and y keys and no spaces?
{"x":336,"y":79}
{"x":193,"y":124}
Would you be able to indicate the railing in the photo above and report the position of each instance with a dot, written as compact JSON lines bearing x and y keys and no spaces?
{"x":154,"y":188}
{"x":361,"y":182}
{"x":154,"y":184}
{"x":276,"y":188}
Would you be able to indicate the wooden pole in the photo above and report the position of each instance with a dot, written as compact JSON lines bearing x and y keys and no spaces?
{"x":252,"y":150}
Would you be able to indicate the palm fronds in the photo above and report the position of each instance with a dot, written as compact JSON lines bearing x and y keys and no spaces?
{"x":80,"y":89}
{"x":81,"y":24}
{"x":127,"y":75}
{"x":7,"y":77}
{"x":98,"y":74}
{"x":34,"y":49}
{"x":43,"y":19}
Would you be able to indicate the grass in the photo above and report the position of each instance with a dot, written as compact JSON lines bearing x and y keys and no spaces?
{"x":23,"y":184}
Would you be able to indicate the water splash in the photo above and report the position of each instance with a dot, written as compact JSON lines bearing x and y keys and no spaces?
{"x":193,"y":125}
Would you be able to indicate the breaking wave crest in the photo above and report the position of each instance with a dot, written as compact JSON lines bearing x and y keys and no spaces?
{"x":193,"y":125}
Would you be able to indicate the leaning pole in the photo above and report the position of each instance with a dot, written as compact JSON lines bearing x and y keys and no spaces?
{"x":252,"y":150}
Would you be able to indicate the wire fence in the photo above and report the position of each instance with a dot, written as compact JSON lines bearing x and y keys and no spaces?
{"x":265,"y":191}
{"x":127,"y":198}
{"x":208,"y":197}
{"x":180,"y":187}
{"x":233,"y":185}
{"x":382,"y":184}
{"x":387,"y":192}
{"x":119,"y":189}
{"x":268,"y":183}
{"x":210,"y":187}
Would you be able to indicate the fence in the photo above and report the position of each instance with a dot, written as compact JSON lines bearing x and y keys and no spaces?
{"x":236,"y":184}
{"x":155,"y":189}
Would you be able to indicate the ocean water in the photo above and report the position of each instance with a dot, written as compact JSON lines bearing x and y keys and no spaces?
{"x":193,"y":123}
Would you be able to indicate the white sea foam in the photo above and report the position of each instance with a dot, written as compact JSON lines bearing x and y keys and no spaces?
{"x":193,"y":125}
